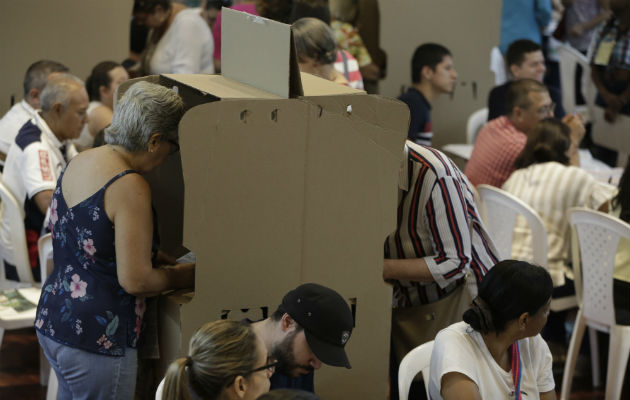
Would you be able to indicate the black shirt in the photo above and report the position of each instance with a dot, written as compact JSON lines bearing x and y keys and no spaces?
{"x":420,"y":131}
{"x":496,"y":101}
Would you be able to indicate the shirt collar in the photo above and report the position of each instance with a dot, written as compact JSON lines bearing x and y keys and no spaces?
{"x":41,"y":123}
{"x":27,"y":107}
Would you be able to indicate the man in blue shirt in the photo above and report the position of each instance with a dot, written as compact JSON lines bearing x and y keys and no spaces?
{"x":432,"y":73}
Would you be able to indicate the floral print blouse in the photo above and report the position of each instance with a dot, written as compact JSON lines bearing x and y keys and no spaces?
{"x":82,"y":304}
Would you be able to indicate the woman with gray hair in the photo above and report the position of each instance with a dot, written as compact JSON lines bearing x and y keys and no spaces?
{"x":89,"y":316}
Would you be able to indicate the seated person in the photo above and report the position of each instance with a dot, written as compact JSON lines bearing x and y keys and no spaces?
{"x":545,"y":180}
{"x":432,"y":74}
{"x":288,"y":394}
{"x":300,"y":344}
{"x":101,"y":86}
{"x":41,"y":150}
{"x":524,"y":59}
{"x":497,"y":350}
{"x":226,"y":360}
{"x":502,"y":139}
{"x":610,"y":61}
{"x":316,"y":49}
{"x":34,"y":82}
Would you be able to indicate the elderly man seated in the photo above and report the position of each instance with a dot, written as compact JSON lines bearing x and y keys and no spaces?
{"x":41,"y":150}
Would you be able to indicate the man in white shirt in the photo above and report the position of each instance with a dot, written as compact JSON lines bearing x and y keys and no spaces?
{"x":41,"y":150}
{"x":34,"y":81}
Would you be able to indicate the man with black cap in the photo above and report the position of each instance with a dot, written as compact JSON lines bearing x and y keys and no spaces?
{"x":310,"y":327}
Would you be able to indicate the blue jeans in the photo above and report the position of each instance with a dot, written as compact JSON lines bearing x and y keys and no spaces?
{"x":85,"y":375}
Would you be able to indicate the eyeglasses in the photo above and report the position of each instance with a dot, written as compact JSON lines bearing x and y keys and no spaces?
{"x":174,"y":146}
{"x":270,"y":366}
{"x":546,"y":110}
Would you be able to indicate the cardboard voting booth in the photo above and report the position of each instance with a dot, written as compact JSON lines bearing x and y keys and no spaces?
{"x":277,"y":186}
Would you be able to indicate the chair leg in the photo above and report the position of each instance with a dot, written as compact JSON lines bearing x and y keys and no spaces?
{"x":618,"y":351}
{"x":53,"y":386}
{"x":595,"y":372}
{"x":1,"y":335}
{"x":572,"y":354}
{"x":44,"y":368}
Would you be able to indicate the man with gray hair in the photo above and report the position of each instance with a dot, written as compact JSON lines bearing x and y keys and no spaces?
{"x":41,"y":150}
{"x":34,"y":81}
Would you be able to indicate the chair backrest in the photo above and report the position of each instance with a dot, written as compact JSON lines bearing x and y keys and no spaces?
{"x":570,"y":58}
{"x":598,"y":236}
{"x":417,"y":360}
{"x":13,"y":215}
{"x":499,"y":210}
{"x":497,"y":66}
{"x":475,"y":122}
{"x":45,"y":249}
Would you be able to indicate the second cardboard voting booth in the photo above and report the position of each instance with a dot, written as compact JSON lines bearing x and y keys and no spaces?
{"x":276,"y":190}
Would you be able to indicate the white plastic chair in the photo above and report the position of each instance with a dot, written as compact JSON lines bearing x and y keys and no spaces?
{"x":593,"y":259}
{"x":417,"y":360}
{"x":475,"y":122}
{"x":499,"y":211}
{"x":569,"y":59}
{"x":497,"y":66}
{"x":13,"y":215}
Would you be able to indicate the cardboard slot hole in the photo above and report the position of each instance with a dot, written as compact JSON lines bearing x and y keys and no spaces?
{"x":244,"y":115}
{"x":274,"y":115}
{"x":321,"y":111}
{"x":349,"y":109}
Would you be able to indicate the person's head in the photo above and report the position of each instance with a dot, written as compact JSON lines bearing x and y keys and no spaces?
{"x":310,"y":8}
{"x":622,"y":199}
{"x":152,"y":13}
{"x":549,"y":140}
{"x":102,"y":83}
{"x":288,"y":394}
{"x":36,"y":78}
{"x":315,"y":44}
{"x":210,"y":9}
{"x":433,"y":64}
{"x":277,"y":10}
{"x":527,"y":101}
{"x":512,"y":292}
{"x":316,"y":323}
{"x":344,"y":10}
{"x":225,"y":360}
{"x":64,"y":104}
{"x":525,"y":59}
{"x":145,"y":122}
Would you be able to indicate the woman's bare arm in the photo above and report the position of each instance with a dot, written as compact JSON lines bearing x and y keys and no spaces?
{"x":456,"y":386}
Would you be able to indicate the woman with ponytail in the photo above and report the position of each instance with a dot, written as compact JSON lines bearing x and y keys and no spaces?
{"x":545,"y":181}
{"x":226,"y":360}
{"x":497,"y":351}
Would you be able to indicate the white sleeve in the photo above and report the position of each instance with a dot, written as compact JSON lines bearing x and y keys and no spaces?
{"x":38,"y":173}
{"x":451,"y":353}
{"x":544,"y":360}
{"x":194,"y":39}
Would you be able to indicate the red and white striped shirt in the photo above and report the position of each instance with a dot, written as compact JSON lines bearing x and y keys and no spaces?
{"x":496,"y":148}
{"x":350,"y":69}
{"x":438,"y":221}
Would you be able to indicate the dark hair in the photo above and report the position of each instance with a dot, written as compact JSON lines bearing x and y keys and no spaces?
{"x":277,"y":10}
{"x":217,"y":4}
{"x":99,"y":77}
{"x":549,"y":140}
{"x":515,"y":54}
{"x":37,"y":73}
{"x":314,"y":39}
{"x":218,"y":352}
{"x":426,"y":55}
{"x":148,"y":6}
{"x":508,"y":290}
{"x":288,"y":394}
{"x":623,"y":196}
{"x":517,"y":94}
{"x":310,"y":8}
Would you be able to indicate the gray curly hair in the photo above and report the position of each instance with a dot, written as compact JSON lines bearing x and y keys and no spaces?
{"x":144,"y":109}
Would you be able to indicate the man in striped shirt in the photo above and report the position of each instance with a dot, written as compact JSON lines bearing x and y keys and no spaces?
{"x":438,"y":241}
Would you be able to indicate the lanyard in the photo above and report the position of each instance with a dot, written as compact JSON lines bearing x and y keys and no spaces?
{"x":516,"y":371}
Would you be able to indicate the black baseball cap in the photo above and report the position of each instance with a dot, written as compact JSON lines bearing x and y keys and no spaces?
{"x":326,"y":319}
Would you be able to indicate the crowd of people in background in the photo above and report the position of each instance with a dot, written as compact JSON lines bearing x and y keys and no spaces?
{"x":75,"y":163}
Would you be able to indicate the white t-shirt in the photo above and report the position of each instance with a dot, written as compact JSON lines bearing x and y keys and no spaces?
{"x":33,"y":165}
{"x":11,"y":123}
{"x":459,"y":348}
{"x":186,"y":47}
